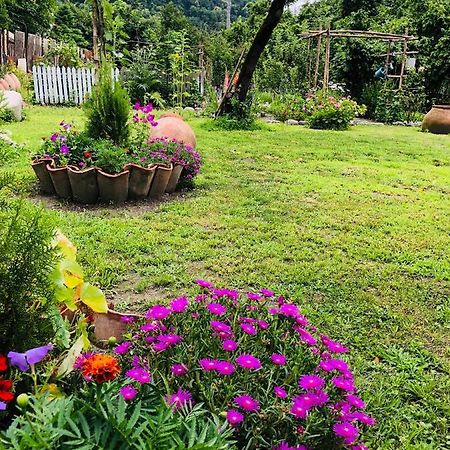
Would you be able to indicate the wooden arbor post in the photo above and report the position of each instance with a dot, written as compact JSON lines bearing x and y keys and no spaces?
{"x":326,"y":69}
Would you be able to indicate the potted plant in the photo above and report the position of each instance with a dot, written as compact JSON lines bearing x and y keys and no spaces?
{"x":140,"y":180}
{"x":58,"y":172}
{"x":112,"y":178}
{"x":39,"y":165}
{"x":163,"y":172}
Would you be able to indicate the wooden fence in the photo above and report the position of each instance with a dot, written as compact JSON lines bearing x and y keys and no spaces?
{"x":23,"y":49}
{"x":61,"y":85}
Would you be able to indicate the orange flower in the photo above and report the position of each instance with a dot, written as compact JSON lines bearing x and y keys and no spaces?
{"x":100,"y":368}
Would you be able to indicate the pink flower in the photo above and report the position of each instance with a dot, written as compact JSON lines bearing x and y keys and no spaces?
{"x":218,"y":326}
{"x":248,"y":328}
{"x":329,"y":365}
{"x":289,"y":310}
{"x":299,"y":409}
{"x":161,"y":346}
{"x":347,"y":431}
{"x":248,"y":362}
{"x":267,"y":293}
{"x":179,"y":399}
{"x":333,"y":346}
{"x":179,"y":369}
{"x":138,"y":374}
{"x":208,"y":364}
{"x":127,"y":319}
{"x":128,"y":392}
{"x":280,"y":392}
{"x":229,"y":345}
{"x":355,"y":401}
{"x":225,"y":367}
{"x":306,"y":337}
{"x":216,"y":308}
{"x":234,"y":417}
{"x":158,"y":312}
{"x":279,"y":360}
{"x":362,"y":418}
{"x":171,"y":339}
{"x":255,"y":297}
{"x":204,"y":284}
{"x":179,"y":305}
{"x":122,"y":348}
{"x":149,"y":327}
{"x":247,"y":403}
{"x":313,"y":382}
{"x":344,"y":384}
{"x":263,"y":324}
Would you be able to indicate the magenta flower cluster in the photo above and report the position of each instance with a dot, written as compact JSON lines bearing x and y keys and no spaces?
{"x":256,"y":359}
{"x":143,"y":114}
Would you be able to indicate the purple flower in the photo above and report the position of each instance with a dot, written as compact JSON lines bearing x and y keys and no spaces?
{"x":362,"y":418}
{"x":248,"y":328}
{"x":359,"y":447}
{"x":234,"y":417}
{"x":179,"y":399}
{"x":171,"y":339}
{"x":333,"y":346}
{"x":299,"y":409}
{"x":263,"y":324}
{"x":347,"y":431}
{"x":123,"y":348}
{"x":54,"y":137}
{"x":306,"y":337}
{"x":147,"y":108}
{"x":150,"y":327}
{"x":127,"y":319}
{"x":279,"y":360}
{"x":204,"y":284}
{"x":128,"y":392}
{"x":158,"y":312}
{"x":179,"y":369}
{"x":313,"y":382}
{"x":179,"y":305}
{"x":247,"y":403}
{"x":344,"y":384}
{"x":355,"y":401}
{"x":64,"y":149}
{"x":285,"y":446}
{"x":216,"y":308}
{"x":220,"y":326}
{"x":2,"y":406}
{"x":229,"y":345}
{"x":161,"y":346}
{"x":31,"y":357}
{"x":208,"y":364}
{"x":252,"y":296}
{"x":267,"y":293}
{"x":248,"y":362}
{"x":280,"y":392}
{"x":139,"y":374}
{"x":137,"y":106}
{"x":328,"y":365}
{"x":225,"y":367}
{"x":289,"y":310}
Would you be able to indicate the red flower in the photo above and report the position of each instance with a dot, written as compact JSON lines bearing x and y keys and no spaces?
{"x":5,"y":387}
{"x":87,"y":155}
{"x":3,"y":363}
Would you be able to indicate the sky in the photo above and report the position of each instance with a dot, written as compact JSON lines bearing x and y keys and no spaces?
{"x":298,"y":4}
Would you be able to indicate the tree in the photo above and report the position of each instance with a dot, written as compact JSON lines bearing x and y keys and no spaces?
{"x":32,"y":16}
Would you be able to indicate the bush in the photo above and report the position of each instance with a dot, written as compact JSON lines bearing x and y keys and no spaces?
{"x":254,"y":357}
{"x":288,"y":107}
{"x":109,"y":158}
{"x":240,"y":117}
{"x":329,"y":112}
{"x":26,"y":294}
{"x":98,"y":417}
{"x":108,"y":110}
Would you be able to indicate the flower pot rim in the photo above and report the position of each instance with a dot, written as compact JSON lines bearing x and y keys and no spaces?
{"x":441,"y":106}
{"x":39,"y":159}
{"x":53,"y":168}
{"x":149,"y":167}
{"x":75,"y":169}
{"x":112,"y":175}
{"x":165,"y":166}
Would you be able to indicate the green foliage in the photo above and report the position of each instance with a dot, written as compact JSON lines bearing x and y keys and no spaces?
{"x":288,"y":107}
{"x":98,"y":417}
{"x":241,"y":116}
{"x":109,"y":157}
{"x":328,"y":112}
{"x":108,"y":110}
{"x":8,"y":152}
{"x":26,"y":294}
{"x":63,"y":54}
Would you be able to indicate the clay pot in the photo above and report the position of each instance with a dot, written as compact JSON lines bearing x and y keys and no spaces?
{"x":11,"y":82}
{"x":113,"y":188}
{"x":172,"y":126}
{"x":174,"y":178}
{"x":140,"y":180}
{"x":437,"y":120}
{"x":40,"y":166}
{"x":60,"y":179}
{"x":4,"y":86}
{"x":16,"y":81}
{"x":160,"y":181}
{"x":83,"y":184}
{"x":110,"y":324}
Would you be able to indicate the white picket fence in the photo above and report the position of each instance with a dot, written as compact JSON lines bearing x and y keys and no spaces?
{"x":59,"y":85}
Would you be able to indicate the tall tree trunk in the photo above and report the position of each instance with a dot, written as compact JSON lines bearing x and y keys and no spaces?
{"x":259,"y":43}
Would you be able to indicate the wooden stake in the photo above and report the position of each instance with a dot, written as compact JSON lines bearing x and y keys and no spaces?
{"x":388,"y":60}
{"x":402,"y":71}
{"x":316,"y":72}
{"x":326,"y":69}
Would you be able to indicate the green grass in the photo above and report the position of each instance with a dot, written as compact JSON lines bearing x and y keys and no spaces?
{"x":354,"y":225}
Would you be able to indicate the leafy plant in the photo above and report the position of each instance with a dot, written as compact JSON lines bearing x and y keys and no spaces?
{"x":108,"y":110}
{"x":110,"y":158}
{"x":98,"y":417}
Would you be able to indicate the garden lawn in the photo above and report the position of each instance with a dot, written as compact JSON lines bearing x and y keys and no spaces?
{"x":353,"y":225}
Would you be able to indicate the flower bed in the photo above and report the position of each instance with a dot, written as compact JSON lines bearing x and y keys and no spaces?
{"x":73,"y":165}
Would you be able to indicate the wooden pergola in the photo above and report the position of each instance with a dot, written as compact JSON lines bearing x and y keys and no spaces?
{"x":328,"y":34}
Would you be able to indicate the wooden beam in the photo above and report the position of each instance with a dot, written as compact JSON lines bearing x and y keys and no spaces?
{"x":326,"y":69}
{"x":316,"y":72}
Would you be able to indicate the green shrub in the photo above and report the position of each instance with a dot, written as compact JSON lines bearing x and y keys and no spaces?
{"x":108,"y":110}
{"x":240,"y":117}
{"x":26,"y":259}
{"x":109,"y":158}
{"x":98,"y":418}
{"x":329,"y":112}
{"x":288,"y":107}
